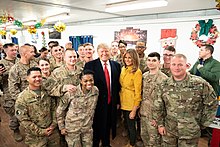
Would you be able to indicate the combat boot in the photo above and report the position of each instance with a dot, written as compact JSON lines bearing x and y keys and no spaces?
{"x":17,"y":135}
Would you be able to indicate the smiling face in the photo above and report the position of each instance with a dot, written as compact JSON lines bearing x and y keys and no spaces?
{"x":89,"y":50}
{"x":140,"y":48}
{"x":70,"y":57}
{"x":11,"y":52}
{"x":128,"y":59}
{"x":178,"y":68}
{"x":104,"y":54}
{"x":44,"y":66}
{"x":153,"y":63}
{"x":56,"y":52}
{"x":34,"y":80}
{"x":167,"y":55}
{"x":87,"y":82}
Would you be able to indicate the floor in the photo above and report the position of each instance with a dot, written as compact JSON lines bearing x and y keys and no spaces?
{"x":6,"y":138}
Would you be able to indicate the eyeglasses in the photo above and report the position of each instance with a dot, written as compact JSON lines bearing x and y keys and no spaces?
{"x":58,"y":50}
{"x":142,"y":47}
{"x":168,"y":55}
{"x":122,"y":46}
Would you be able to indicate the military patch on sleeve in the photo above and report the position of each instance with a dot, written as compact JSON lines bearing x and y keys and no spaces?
{"x":18,"y":112}
{"x":213,"y":95}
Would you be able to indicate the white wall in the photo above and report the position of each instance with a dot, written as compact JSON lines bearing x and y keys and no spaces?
{"x":105,"y":33}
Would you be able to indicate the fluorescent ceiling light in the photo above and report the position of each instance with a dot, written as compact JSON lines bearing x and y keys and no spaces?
{"x":58,"y":17}
{"x":136,"y":5}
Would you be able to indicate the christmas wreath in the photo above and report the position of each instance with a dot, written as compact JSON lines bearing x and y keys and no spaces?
{"x":204,"y":33}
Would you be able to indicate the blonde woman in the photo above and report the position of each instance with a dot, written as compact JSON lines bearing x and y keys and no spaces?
{"x":130,"y":94}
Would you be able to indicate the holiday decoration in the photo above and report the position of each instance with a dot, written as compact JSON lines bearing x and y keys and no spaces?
{"x":43,"y":39}
{"x":2,"y":32}
{"x":60,"y":26}
{"x":168,"y":37}
{"x":218,"y":5}
{"x":204,"y":33}
{"x":13,"y":31}
{"x":32,"y":30}
{"x":18,"y":23}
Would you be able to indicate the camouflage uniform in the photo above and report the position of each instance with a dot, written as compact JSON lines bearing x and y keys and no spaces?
{"x":183,"y":108}
{"x":80,"y":63}
{"x":75,"y":113}
{"x":119,"y":59}
{"x":65,"y":76}
{"x":149,"y":133}
{"x":53,"y":64}
{"x":143,"y":64}
{"x":16,"y":83}
{"x":166,"y":71}
{"x":4,"y":82}
{"x":36,"y":112}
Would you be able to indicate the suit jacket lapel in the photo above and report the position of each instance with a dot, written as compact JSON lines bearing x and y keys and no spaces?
{"x":101,"y":71}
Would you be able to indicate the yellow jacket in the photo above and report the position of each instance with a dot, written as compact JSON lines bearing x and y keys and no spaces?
{"x":131,"y":84}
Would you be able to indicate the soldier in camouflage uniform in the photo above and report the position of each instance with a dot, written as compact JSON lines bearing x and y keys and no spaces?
{"x":122,"y":45}
{"x":8,"y":62}
{"x":17,"y":82}
{"x":36,"y":113}
{"x":167,"y":55}
{"x":69,"y":72}
{"x":140,"y":48}
{"x":76,"y":111}
{"x":114,"y":50}
{"x":56,"y":58}
{"x":183,"y":105}
{"x":154,"y":76}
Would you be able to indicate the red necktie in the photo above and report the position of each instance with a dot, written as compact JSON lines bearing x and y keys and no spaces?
{"x":107,"y":78}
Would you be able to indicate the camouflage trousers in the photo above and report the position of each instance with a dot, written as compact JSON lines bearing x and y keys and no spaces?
{"x":79,"y":139}
{"x":149,"y":133}
{"x":170,"y":140}
{"x":9,"y":107}
{"x":47,"y":141}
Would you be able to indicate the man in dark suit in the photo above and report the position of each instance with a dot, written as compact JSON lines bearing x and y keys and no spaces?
{"x":106,"y":78}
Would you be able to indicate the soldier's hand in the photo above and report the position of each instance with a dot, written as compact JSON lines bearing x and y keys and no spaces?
{"x":63,"y":132}
{"x":153,"y":123}
{"x":48,"y":131}
{"x":71,"y":88}
{"x":2,"y":70}
{"x":162,"y":130}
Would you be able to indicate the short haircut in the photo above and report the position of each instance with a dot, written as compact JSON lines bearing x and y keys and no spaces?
{"x":180,"y":56}
{"x":54,"y":42}
{"x":5,"y":46}
{"x":88,"y":44}
{"x":28,"y":44}
{"x":103,"y":45}
{"x":134,"y":57}
{"x":123,"y":42}
{"x":43,"y":49}
{"x":69,"y":49}
{"x":33,"y":69}
{"x":209,"y":47}
{"x":154,"y":54}
{"x":170,"y":48}
{"x":54,"y":46}
{"x":86,"y":72}
{"x":81,"y":45}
